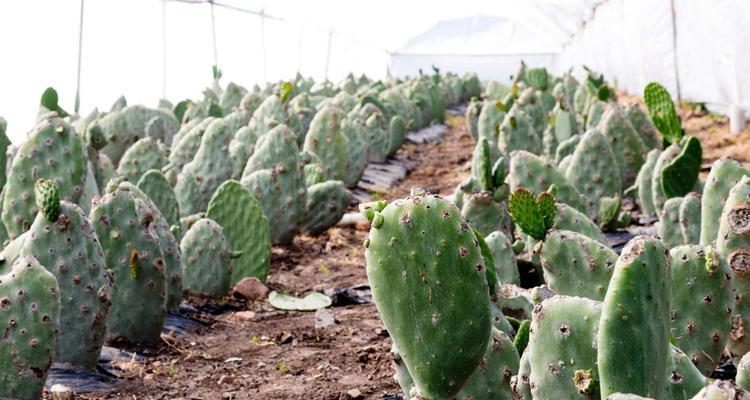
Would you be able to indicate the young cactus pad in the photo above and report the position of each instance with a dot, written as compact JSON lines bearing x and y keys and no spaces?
{"x":534,"y":216}
{"x":662,"y":111}
{"x":427,"y":276}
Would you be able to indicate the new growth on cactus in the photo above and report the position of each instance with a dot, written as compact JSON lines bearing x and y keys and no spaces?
{"x":534,"y":216}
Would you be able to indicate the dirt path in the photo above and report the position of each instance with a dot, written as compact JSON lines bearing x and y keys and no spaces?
{"x":263,"y":353}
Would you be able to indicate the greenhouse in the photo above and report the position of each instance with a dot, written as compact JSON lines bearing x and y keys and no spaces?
{"x":238,"y":199}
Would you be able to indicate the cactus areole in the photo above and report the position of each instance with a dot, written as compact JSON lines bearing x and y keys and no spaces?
{"x":428,"y":280}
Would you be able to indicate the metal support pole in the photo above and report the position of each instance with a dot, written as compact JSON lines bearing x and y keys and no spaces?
{"x":328,"y":52}
{"x":77,"y":104}
{"x":263,"y":44}
{"x":674,"y":52}
{"x":213,"y":31}
{"x":164,"y":49}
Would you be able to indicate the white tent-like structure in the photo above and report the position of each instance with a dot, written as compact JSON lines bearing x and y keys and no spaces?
{"x":697,"y":49}
{"x":148,"y":49}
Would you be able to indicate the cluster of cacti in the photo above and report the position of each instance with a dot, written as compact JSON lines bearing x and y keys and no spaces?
{"x":114,"y":216}
{"x":653,"y":322}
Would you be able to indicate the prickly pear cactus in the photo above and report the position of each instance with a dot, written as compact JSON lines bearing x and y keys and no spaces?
{"x":142,"y":156}
{"x":29,"y":316}
{"x":679,"y":176}
{"x":536,"y":174}
{"x":725,"y":173}
{"x":485,"y":214}
{"x":562,"y":348}
{"x":662,"y":111}
{"x":240,"y":149}
{"x":396,"y":133}
{"x":124,"y":127}
{"x":519,"y":383}
{"x":592,"y":171}
{"x":533,"y":216}
{"x":275,"y":176}
{"x":124,"y":224}
{"x":52,"y":151}
{"x":576,"y":265}
{"x":326,"y":203}
{"x":314,"y":173}
{"x":472,"y":118}
{"x":201,"y":177}
{"x":570,"y":219}
{"x":657,"y":190}
{"x":633,"y":338}
{"x":481,"y":165}
{"x":155,"y":185}
{"x":491,"y":378}
{"x":566,"y":148}
{"x":594,"y":112}
{"x":733,"y":243}
{"x":419,"y":299}
{"x":670,"y":230}
{"x":62,"y":238}
{"x":643,"y":125}
{"x":4,"y":144}
{"x":169,"y":245}
{"x":690,"y":218}
{"x":186,"y":145}
{"x":488,"y":125}
{"x":702,"y":302}
{"x":683,"y":379}
{"x":517,"y":133}
{"x":359,"y":149}
{"x":206,"y":261}
{"x":626,"y":144}
{"x":503,"y":257}
{"x":643,"y":182}
{"x":327,"y":140}
{"x":246,"y":228}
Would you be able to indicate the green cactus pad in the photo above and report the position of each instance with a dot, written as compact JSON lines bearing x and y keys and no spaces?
{"x":142,"y":156}
{"x":47,"y":195}
{"x":519,"y":384}
{"x":206,"y":261}
{"x":485,"y":214}
{"x":576,"y":265}
{"x":246,"y":228}
{"x":69,"y":247}
{"x":690,"y":218}
{"x":670,"y":230}
{"x":536,"y":174}
{"x":679,"y":176}
{"x":327,"y":140}
{"x":503,"y":257}
{"x":326,"y":203}
{"x":534,"y":216}
{"x":481,"y":166}
{"x":518,"y":133}
{"x":52,"y":151}
{"x":733,"y":244}
{"x":725,"y":173}
{"x":626,"y":144}
{"x":491,"y":378}
{"x":643,"y":125}
{"x":29,"y":317}
{"x":562,"y":341}
{"x":155,"y":185}
{"x":419,"y":294}
{"x":633,"y":338}
{"x":702,"y":302}
{"x":592,"y":171}
{"x":662,"y":111}
{"x":124,"y":224}
{"x":644,"y":184}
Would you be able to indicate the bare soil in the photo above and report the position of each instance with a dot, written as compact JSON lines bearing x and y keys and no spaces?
{"x":258,"y":352}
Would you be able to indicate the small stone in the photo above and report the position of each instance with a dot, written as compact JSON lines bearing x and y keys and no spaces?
{"x":324,"y":318}
{"x":148,"y":377}
{"x":61,"y":392}
{"x":240,"y":316}
{"x":354,"y":394}
{"x":235,"y":360}
{"x":286,"y":338}
{"x":251,"y":288}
